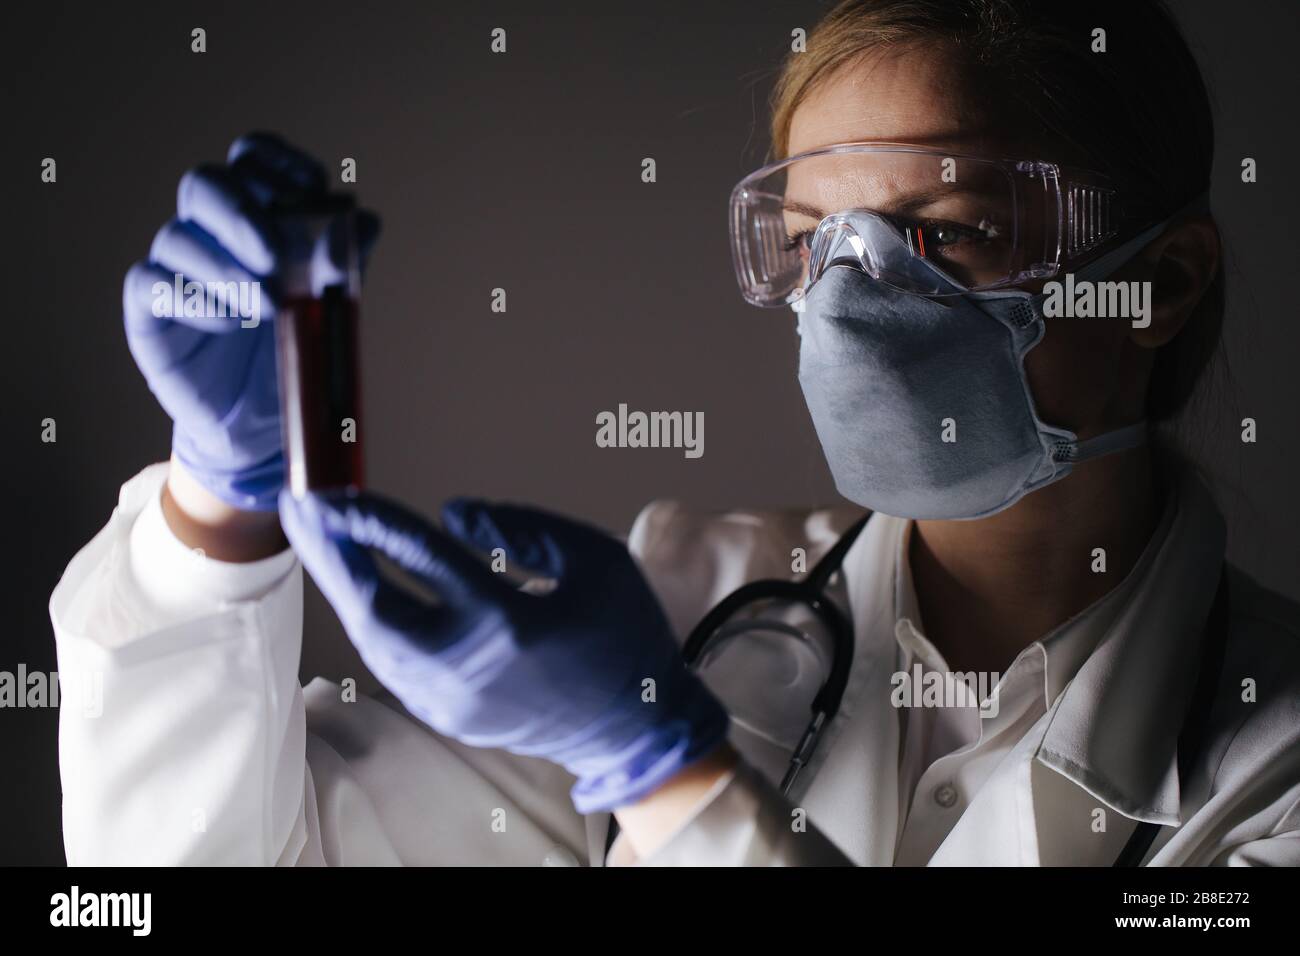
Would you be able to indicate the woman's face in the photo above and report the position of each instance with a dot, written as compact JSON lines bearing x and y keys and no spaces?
{"x":1086,"y":374}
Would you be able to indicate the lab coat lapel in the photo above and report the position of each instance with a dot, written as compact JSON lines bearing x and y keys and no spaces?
{"x":1109,"y":742}
{"x":854,"y":796}
{"x":1028,"y":814}
{"x":1115,"y":730}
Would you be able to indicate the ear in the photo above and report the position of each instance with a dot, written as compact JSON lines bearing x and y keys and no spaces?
{"x":1180,"y":264}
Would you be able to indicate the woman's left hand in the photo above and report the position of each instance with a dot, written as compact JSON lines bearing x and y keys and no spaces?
{"x":587,"y":676}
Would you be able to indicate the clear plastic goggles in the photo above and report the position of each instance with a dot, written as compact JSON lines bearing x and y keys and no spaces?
{"x":919,"y":220}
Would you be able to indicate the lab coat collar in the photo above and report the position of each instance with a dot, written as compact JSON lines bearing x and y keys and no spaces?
{"x":1114,"y":731}
{"x":1067,"y":647}
{"x":1058,"y":656}
{"x":1061,"y":653}
{"x":1118,"y":678}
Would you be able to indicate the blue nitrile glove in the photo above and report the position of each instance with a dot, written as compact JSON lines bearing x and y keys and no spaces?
{"x":215,"y":376}
{"x":561,"y":675}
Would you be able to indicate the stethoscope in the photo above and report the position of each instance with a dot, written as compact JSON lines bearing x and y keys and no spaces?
{"x":811,"y":593}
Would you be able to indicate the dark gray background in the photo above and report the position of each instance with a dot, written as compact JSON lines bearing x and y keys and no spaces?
{"x":520,"y":171}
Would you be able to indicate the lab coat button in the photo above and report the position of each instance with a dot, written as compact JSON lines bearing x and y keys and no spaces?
{"x":945,"y":795}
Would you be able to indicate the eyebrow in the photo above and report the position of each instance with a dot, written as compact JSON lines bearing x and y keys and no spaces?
{"x":905,"y":204}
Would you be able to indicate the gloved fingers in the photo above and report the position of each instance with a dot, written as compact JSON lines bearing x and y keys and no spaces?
{"x":273,"y":168}
{"x":485,"y":527}
{"x":162,"y":339}
{"x":537,"y":540}
{"x":353,"y":583}
{"x":227,"y":289}
{"x":212,"y":197}
{"x":417,"y":547}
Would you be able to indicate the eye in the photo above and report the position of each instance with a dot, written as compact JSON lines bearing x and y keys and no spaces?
{"x":942,"y":237}
{"x":939,"y":234}
{"x":945,"y":234}
{"x":798,"y":241}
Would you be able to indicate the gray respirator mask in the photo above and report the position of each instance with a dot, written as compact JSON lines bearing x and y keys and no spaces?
{"x":922,"y":404}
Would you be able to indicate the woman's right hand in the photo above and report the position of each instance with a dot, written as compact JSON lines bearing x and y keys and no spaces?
{"x":214,"y":373}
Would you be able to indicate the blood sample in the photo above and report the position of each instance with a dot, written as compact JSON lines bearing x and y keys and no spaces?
{"x":317,"y":351}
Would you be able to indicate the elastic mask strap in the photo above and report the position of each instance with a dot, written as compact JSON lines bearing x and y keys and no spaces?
{"x":1117,"y":257}
{"x":1121,"y":439}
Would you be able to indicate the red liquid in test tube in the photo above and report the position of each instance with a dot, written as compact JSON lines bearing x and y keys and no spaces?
{"x":320,"y":400}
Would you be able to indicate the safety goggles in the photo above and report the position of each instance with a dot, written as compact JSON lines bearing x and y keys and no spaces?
{"x":919,"y":220}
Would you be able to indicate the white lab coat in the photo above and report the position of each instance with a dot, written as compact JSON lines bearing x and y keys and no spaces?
{"x":207,"y":750}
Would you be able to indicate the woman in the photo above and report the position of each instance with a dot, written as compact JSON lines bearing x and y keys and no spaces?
{"x":1134,"y":702}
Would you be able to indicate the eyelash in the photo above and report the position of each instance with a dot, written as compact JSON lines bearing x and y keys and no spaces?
{"x":792,"y":242}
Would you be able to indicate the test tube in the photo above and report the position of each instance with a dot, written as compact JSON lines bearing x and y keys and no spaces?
{"x":316,"y":347}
